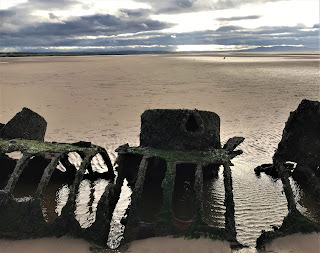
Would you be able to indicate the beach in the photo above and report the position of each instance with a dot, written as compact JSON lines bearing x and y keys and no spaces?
{"x":296,"y":243}
{"x":100,"y":99}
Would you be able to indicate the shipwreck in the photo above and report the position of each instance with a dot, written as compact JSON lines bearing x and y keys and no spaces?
{"x":178,"y":151}
{"x":297,"y":156}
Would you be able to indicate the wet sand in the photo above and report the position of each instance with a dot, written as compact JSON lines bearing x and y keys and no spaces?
{"x":296,"y":243}
{"x":100,"y":99}
{"x":44,"y":245}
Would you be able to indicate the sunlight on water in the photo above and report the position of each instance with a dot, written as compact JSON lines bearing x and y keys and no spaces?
{"x":116,"y":228}
{"x":213,"y":199}
{"x":62,"y":198}
{"x":87,"y":201}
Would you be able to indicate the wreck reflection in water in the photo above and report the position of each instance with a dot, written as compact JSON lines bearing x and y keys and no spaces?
{"x":213,"y":199}
{"x":87,"y":200}
{"x":116,"y":228}
{"x":183,"y":199}
{"x":152,"y":194}
{"x":306,"y":203}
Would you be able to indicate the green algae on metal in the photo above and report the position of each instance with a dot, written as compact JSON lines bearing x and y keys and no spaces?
{"x":219,"y":156}
{"x":38,"y":147}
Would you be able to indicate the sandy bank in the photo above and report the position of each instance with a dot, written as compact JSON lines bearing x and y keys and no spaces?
{"x":296,"y":243}
{"x":151,"y":245}
{"x":45,"y":245}
{"x":178,"y":245}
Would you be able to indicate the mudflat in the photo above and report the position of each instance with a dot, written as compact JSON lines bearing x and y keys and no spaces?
{"x":100,"y":99}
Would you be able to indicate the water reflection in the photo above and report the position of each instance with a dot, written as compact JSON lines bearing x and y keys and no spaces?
{"x":151,"y":198}
{"x":116,"y":228}
{"x":54,"y":199}
{"x":213,"y":199}
{"x":183,"y":197}
{"x":87,"y":200}
{"x":62,"y":198}
{"x":30,"y":177}
{"x":259,"y":202}
{"x":306,"y":203}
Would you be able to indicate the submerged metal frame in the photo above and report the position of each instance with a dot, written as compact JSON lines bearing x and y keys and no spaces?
{"x":24,"y":219}
{"x":164,"y":222}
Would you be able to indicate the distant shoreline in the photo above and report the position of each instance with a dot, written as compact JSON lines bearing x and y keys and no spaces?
{"x":219,"y":53}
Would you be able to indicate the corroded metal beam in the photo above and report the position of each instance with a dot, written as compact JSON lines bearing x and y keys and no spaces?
{"x":47,"y":175}
{"x":20,"y":166}
{"x":284,"y":176}
{"x":70,"y":206}
{"x":230,"y":225}
{"x":198,"y":187}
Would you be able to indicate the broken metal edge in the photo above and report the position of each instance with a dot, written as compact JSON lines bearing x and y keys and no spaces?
{"x":294,"y":222}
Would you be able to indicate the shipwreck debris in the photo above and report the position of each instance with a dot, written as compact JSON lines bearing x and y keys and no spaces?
{"x":178,"y":148}
{"x":24,"y":217}
{"x":43,"y":168}
{"x":180,"y":129}
{"x":26,"y":125}
{"x":300,"y":144}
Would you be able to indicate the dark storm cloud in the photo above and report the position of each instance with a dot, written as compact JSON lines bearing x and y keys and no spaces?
{"x":94,"y":25}
{"x":6,"y":13}
{"x":268,"y":36}
{"x":296,"y":35}
{"x":52,"y":16}
{"x":228,"y":28}
{"x":20,"y":28}
{"x":239,"y":18}
{"x":48,"y":34}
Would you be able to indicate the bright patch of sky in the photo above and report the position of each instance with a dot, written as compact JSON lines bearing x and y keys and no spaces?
{"x":87,"y":8}
{"x":284,"y":13}
{"x":5,"y":4}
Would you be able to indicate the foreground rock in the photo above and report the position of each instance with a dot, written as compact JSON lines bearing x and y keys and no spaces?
{"x":26,"y":125}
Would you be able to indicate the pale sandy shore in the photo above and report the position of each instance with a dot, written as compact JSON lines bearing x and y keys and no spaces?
{"x":296,"y":243}
{"x":100,"y":99}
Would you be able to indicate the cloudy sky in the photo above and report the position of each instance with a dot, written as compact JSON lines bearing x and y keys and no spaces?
{"x":149,"y":25}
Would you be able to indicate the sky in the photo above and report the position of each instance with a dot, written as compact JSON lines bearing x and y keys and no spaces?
{"x":153,"y":25}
